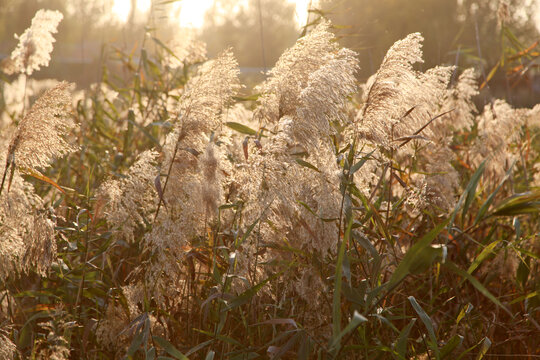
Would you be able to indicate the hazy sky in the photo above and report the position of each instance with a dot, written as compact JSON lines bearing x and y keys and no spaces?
{"x":191,"y":12}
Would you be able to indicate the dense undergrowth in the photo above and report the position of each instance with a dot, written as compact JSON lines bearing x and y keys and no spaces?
{"x":168,"y":215}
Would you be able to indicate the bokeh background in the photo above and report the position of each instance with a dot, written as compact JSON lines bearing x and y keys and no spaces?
{"x":459,"y":32}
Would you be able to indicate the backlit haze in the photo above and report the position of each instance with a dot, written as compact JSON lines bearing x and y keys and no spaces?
{"x":190,"y":13}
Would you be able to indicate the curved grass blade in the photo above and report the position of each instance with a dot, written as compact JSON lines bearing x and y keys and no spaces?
{"x":477,"y":285}
{"x":526,"y":203}
{"x":401,"y":345}
{"x":451,"y":345}
{"x":428,"y":323}
{"x":413,"y":256}
{"x":241,"y":128}
{"x":169,"y":348}
{"x":485,"y":206}
{"x":355,"y":321}
{"x":336,"y":305}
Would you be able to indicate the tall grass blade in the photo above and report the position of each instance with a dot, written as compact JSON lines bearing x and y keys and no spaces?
{"x":486,"y":344}
{"x":356,"y":320}
{"x":169,"y":348}
{"x":401,"y":344}
{"x":485,"y":206}
{"x":477,"y":285}
{"x":470,"y":191}
{"x":428,"y":323}
{"x":451,"y":345}
{"x":417,"y":254}
{"x":336,"y":304}
{"x":519,"y":204}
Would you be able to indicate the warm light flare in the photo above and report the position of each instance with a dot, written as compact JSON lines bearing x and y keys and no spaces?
{"x":190,"y":13}
{"x":122,"y":8}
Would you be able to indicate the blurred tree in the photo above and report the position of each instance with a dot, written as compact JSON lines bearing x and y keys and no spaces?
{"x":371,"y":27}
{"x":86,"y":26}
{"x":230,"y":24}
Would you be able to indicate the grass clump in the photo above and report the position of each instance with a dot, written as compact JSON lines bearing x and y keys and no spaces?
{"x":318,"y":218}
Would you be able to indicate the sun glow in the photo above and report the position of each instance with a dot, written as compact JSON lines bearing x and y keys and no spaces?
{"x":190,"y":13}
{"x":122,"y":8}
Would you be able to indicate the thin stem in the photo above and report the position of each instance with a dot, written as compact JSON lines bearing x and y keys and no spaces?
{"x":8,"y":163}
{"x":261,"y":34}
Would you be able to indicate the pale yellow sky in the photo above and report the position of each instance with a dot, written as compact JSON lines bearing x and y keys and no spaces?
{"x":190,"y":13}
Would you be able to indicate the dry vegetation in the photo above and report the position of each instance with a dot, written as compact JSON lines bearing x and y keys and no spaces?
{"x":167,"y":216}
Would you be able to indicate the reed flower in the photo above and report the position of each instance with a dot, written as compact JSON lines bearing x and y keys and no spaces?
{"x":26,"y":234}
{"x":390,"y":94}
{"x":400,"y":115}
{"x":306,"y":91}
{"x":290,"y":75}
{"x":7,"y":348}
{"x":192,"y":189}
{"x":293,"y":204}
{"x":499,"y":126}
{"x":459,"y":99}
{"x":187,"y":49}
{"x":40,"y":136}
{"x":128,"y":203}
{"x":35,"y":44}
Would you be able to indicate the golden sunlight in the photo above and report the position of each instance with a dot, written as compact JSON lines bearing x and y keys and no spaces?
{"x":122,"y":8}
{"x":190,"y":13}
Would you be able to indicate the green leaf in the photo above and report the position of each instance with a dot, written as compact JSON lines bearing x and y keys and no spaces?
{"x":360,"y":163}
{"x":401,"y":344}
{"x":470,"y":191}
{"x":336,"y":305}
{"x":200,"y":346}
{"x":526,"y":203}
{"x":26,"y":332}
{"x":151,"y":354}
{"x":304,"y":348}
{"x":482,"y":256}
{"x":490,"y":75}
{"x":485,"y":206}
{"x":523,"y":271}
{"x":464,"y":311}
{"x":472,"y":184}
{"x":524,"y":297}
{"x":165,"y":47}
{"x":426,"y":257}
{"x":477,"y":285}
{"x":366,"y":244}
{"x":128,"y":135}
{"x":241,"y":128}
{"x":353,"y":324}
{"x":428,"y":323}
{"x":248,"y":232}
{"x":220,"y":337}
{"x":135,"y":344}
{"x":306,"y":164}
{"x":486,"y":344}
{"x":169,"y":348}
{"x":451,"y":345}
{"x":246,"y":296}
{"x":413,"y":257}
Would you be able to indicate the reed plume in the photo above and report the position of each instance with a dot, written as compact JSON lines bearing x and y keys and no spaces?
{"x":40,"y":136}
{"x":35,"y":44}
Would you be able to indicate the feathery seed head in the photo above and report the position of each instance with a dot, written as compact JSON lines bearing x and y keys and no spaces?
{"x":290,"y":75}
{"x":40,"y":136}
{"x":129,"y":202}
{"x":187,"y":50}
{"x":35,"y":44}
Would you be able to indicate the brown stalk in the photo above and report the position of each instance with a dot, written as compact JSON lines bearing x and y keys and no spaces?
{"x":423,"y":127}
